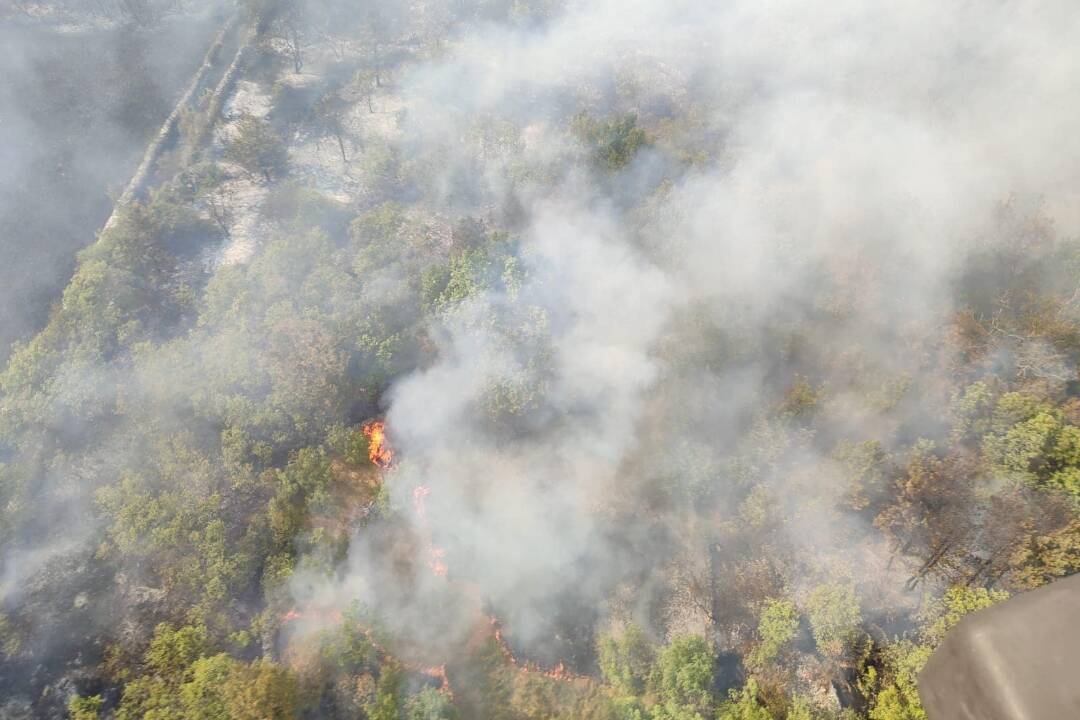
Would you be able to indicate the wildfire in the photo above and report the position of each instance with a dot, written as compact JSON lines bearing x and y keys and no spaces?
{"x":321,"y":614}
{"x":436,"y":555}
{"x":378,"y":448}
{"x":439,"y":673}
{"x":436,"y":560}
{"x":559,"y":672}
{"x":419,"y":494}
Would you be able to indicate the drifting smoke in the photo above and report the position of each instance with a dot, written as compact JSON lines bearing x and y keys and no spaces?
{"x":77,"y":107}
{"x":855,"y":147}
{"x":800,"y":191}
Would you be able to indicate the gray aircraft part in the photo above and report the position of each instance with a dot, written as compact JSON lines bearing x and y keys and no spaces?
{"x":1018,"y":660}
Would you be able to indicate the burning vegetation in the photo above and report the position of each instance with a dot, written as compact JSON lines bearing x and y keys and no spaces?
{"x":378,"y":447}
{"x":558,"y":672}
{"x":727,"y":372}
{"x":436,"y":556}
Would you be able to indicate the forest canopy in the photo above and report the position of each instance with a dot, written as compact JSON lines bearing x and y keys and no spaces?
{"x":533,"y":359}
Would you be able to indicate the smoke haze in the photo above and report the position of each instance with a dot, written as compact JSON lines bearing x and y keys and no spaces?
{"x":625,"y":280}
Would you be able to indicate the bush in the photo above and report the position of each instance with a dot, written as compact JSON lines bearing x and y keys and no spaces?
{"x":258,"y":149}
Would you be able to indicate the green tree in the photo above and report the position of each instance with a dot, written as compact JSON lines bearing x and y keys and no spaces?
{"x":778,"y":624}
{"x":743,"y":704}
{"x":258,"y":149}
{"x":835,"y":618}
{"x":863,"y":465}
{"x":388,"y":702}
{"x":626,"y":660}
{"x":331,"y":112}
{"x":1031,"y":440}
{"x":303,"y":487}
{"x":894,"y":692}
{"x":429,"y":704}
{"x":261,"y":690}
{"x":613,"y":143}
{"x":203,"y":696}
{"x":683,"y":673}
{"x":173,"y":650}
{"x":84,"y":708}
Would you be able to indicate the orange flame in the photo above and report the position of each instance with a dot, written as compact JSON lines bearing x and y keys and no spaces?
{"x":436,"y":555}
{"x":559,"y":672}
{"x":439,"y":673}
{"x":320,"y":614}
{"x":378,"y":448}
{"x":419,"y":493}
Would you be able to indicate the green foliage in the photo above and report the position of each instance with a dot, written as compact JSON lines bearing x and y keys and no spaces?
{"x":800,"y":709}
{"x":894,"y":693}
{"x":683,"y":673}
{"x":863,"y":465}
{"x":187,"y":682}
{"x":351,"y":444}
{"x":1031,"y":440}
{"x":260,"y":690}
{"x":302,"y":209}
{"x":778,"y":624}
{"x":957,"y":602}
{"x":303,"y":488}
{"x":629,"y":709}
{"x":613,"y":143}
{"x":971,"y":410}
{"x":485,"y":265}
{"x":210,"y":424}
{"x":119,"y":293}
{"x":258,"y":149}
{"x":898,"y":698}
{"x":330,"y":112}
{"x":429,"y":704}
{"x":172,"y":651}
{"x":150,"y":698}
{"x":803,"y":400}
{"x":389,"y":701}
{"x":347,"y":649}
{"x":835,"y":617}
{"x":374,"y":235}
{"x":85,"y":708}
{"x":9,"y":638}
{"x":626,"y":660}
{"x":383,"y":166}
{"x":195,"y":546}
{"x":744,"y":705}
{"x":204,"y":694}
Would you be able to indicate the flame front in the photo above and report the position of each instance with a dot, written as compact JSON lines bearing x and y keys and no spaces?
{"x":559,"y":672}
{"x":439,"y":673}
{"x":418,"y":494}
{"x":378,"y":449}
{"x":436,"y":560}
{"x":322,"y":615}
{"x":436,"y":555}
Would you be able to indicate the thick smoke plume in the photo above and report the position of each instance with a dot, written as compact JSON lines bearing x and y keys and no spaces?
{"x":871,"y":145}
{"x":677,"y":262}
